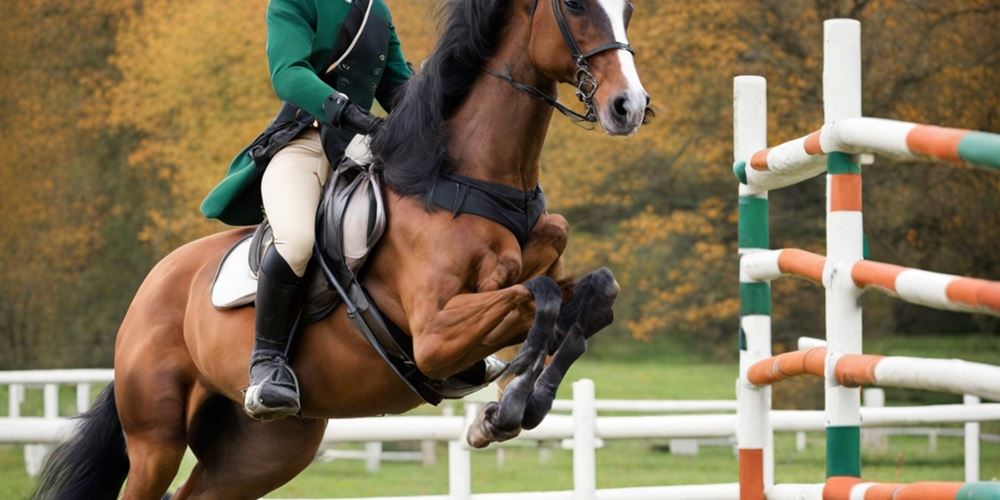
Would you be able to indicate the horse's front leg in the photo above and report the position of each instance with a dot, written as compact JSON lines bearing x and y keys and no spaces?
{"x":587,"y":313}
{"x":500,"y":421}
{"x":454,"y":336}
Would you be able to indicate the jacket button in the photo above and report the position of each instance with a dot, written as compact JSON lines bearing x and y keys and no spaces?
{"x":374,"y":86}
{"x":346,"y":67}
{"x":381,"y":57}
{"x":377,"y":72}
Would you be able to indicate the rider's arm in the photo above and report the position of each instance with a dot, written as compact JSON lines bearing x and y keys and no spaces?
{"x":290,"y":37}
{"x":397,"y":72}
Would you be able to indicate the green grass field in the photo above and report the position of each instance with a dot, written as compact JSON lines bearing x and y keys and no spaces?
{"x":657,"y":372}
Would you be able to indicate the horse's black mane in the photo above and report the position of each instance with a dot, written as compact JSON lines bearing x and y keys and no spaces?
{"x":412,"y":145}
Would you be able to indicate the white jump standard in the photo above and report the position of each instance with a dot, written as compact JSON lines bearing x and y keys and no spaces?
{"x":845,"y":275}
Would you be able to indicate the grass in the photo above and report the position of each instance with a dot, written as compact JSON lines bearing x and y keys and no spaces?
{"x":649,"y":374}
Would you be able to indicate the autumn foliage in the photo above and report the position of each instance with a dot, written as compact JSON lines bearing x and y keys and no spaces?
{"x":116,"y":118}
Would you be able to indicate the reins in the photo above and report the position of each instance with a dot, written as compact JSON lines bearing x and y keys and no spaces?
{"x":586,"y":83}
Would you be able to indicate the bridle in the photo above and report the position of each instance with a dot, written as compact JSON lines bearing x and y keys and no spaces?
{"x":586,"y":84}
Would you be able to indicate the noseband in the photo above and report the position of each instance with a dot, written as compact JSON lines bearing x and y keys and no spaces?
{"x":586,"y":84}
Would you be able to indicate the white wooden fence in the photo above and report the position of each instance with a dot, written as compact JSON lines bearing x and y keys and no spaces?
{"x":583,"y":426}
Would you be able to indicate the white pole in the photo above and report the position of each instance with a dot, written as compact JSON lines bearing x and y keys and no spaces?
{"x":50,"y":401}
{"x":82,"y":398}
{"x":844,"y":245}
{"x":373,"y":456}
{"x":754,"y":435}
{"x":800,"y":441}
{"x":584,"y":454}
{"x":971,"y":444}
{"x":875,"y":439}
{"x":15,"y":396}
{"x":460,"y":461}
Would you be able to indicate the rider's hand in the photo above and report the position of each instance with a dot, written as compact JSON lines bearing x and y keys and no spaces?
{"x":353,"y":118}
{"x":342,"y":113}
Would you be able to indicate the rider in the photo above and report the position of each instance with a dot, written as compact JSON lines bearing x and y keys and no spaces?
{"x":330,"y":107}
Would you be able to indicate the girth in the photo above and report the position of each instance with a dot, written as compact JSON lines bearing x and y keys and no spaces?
{"x":516,"y":210}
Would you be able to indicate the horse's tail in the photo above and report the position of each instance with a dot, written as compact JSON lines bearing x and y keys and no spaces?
{"x":92,"y":464}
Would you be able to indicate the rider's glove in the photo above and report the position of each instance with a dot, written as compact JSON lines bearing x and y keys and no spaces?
{"x":342,"y":113}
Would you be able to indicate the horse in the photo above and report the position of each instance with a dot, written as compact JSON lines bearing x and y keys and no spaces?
{"x":461,"y":286}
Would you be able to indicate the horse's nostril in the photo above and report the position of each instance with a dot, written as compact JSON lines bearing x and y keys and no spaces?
{"x":648,"y":99}
{"x":619,"y":105}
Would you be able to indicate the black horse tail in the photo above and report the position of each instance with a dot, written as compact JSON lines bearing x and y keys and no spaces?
{"x":92,"y":464}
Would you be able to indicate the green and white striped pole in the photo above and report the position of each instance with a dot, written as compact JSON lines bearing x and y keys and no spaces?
{"x":754,"y":436}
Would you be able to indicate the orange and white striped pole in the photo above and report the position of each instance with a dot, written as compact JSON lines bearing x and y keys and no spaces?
{"x":937,"y":290}
{"x":855,"y":370}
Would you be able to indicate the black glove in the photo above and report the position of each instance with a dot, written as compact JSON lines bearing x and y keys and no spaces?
{"x":344,"y":114}
{"x":359,"y":120}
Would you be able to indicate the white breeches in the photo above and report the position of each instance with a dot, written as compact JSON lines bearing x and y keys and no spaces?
{"x":291,"y":189}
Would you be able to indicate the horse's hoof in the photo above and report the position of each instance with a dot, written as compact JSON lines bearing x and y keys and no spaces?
{"x":482,"y":432}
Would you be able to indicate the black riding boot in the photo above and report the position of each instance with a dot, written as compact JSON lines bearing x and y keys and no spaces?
{"x":274,"y":389}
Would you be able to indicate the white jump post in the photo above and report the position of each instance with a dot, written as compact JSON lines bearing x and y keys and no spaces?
{"x":844,"y":247}
{"x":754,"y":435}
{"x":584,"y":441}
{"x":845,"y":274}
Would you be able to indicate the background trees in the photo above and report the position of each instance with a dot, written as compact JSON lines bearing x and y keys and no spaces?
{"x":117,"y":116}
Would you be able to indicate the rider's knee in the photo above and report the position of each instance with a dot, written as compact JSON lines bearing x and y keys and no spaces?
{"x":296,"y":249}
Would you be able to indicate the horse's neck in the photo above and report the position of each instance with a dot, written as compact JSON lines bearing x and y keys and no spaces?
{"x":498,"y":132}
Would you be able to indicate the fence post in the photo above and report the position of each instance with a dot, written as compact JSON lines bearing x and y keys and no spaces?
{"x":34,"y":454}
{"x":460,"y":461}
{"x":971,"y":444}
{"x":82,"y":398}
{"x":15,"y":396}
{"x":584,"y":438}
{"x":876,"y":439}
{"x":50,"y":401}
{"x":373,"y":456}
{"x":800,"y":441}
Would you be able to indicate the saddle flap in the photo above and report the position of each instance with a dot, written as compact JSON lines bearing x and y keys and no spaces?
{"x":351,"y":217}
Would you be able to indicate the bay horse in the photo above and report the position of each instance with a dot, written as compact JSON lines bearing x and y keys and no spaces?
{"x":461,"y":286}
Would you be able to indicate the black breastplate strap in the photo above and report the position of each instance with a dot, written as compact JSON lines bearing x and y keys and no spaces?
{"x":516,"y":210}
{"x":392,"y":344}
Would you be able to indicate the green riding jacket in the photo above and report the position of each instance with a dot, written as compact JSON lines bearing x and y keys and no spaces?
{"x":300,"y":36}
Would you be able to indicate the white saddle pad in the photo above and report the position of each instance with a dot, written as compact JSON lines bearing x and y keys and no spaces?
{"x":235,"y":284}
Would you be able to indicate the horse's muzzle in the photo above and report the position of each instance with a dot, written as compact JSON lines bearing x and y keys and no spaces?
{"x":624,"y":113}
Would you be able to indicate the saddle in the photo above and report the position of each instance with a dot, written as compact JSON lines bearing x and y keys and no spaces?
{"x":349,"y":223}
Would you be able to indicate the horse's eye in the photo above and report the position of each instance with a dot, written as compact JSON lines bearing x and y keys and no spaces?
{"x":574,"y":5}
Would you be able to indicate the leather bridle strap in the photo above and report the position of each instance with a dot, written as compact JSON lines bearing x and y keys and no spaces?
{"x":586,"y":84}
{"x":579,"y":55}
{"x":543,"y":96}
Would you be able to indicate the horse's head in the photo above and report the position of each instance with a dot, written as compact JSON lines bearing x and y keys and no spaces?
{"x":584,"y":43}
